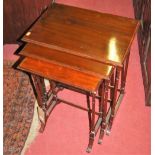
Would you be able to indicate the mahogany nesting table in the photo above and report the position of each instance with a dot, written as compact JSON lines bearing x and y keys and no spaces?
{"x":81,"y":50}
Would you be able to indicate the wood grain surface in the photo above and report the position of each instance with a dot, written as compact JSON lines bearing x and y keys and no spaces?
{"x":91,"y":34}
{"x":61,"y":74}
{"x":68,"y":60}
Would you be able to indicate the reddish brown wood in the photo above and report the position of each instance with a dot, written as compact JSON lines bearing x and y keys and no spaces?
{"x":73,"y":78}
{"x":98,"y":36}
{"x":104,"y":99}
{"x":114,"y":101}
{"x":89,"y":112}
{"x":124,"y":73}
{"x":38,"y":85}
{"x":67,"y":60}
{"x":72,"y":49}
{"x":60,"y":73}
{"x":92,"y":133}
{"x":112,"y":83}
{"x":39,"y":92}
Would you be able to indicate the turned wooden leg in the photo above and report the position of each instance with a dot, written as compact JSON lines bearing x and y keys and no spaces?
{"x":42,"y":118}
{"x":92,"y":133}
{"x":112,"y":82}
{"x":124,"y":74}
{"x":100,"y":94}
{"x":89,"y":112}
{"x":114,"y":101}
{"x":104,"y":99}
{"x":40,"y":92}
{"x":46,"y":100}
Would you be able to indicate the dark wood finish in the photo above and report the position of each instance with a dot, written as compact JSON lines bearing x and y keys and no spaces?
{"x":75,"y":50}
{"x":92,"y":132}
{"x":124,"y":73}
{"x":114,"y":101}
{"x":104,"y":99}
{"x":19,"y":15}
{"x":67,"y":60}
{"x":98,"y":36}
{"x":142,"y":10}
{"x":89,"y":112}
{"x":61,"y":73}
{"x":71,"y":77}
{"x":36,"y":81}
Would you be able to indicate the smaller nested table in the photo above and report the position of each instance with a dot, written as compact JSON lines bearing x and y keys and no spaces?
{"x":61,"y":77}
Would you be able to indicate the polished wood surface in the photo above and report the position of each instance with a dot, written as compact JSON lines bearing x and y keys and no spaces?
{"x":61,"y":74}
{"x":74,"y":47}
{"x":98,"y":36}
{"x":78,"y":63}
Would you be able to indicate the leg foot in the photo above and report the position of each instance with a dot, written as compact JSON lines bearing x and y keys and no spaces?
{"x":91,"y":141}
{"x":88,"y":150}
{"x":42,"y":119}
{"x":122,"y":91}
{"x":42,"y":127}
{"x":101,"y":136}
{"x":108,"y":130}
{"x":100,"y":141}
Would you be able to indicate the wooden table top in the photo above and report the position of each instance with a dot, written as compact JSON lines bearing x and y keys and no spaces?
{"x":61,"y":74}
{"x":99,"y":36}
{"x":67,"y":60}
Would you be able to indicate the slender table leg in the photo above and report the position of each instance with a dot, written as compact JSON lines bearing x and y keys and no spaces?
{"x":43,"y":90}
{"x":100,"y":94}
{"x":112,"y":82}
{"x":42,"y":118}
{"x":92,"y":133}
{"x":52,"y":84}
{"x":89,"y":112}
{"x":46,"y":101}
{"x":40,"y":92}
{"x":124,"y":74}
{"x":114,"y":101}
{"x":104,"y":99}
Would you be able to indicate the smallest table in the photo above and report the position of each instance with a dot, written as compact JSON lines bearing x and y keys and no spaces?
{"x":61,"y":77}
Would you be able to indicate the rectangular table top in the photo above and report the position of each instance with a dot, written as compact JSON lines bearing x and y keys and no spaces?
{"x":68,"y":60}
{"x":61,"y":74}
{"x":99,"y":36}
